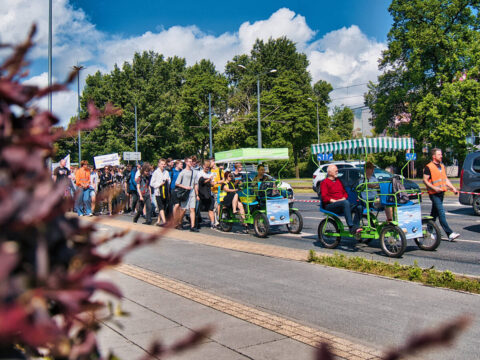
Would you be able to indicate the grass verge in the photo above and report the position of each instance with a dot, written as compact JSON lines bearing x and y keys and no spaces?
{"x":430,"y":276}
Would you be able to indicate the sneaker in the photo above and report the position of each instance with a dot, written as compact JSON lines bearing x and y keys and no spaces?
{"x":90,"y":214}
{"x":453,"y":236}
{"x":193,"y":229}
{"x":147,"y":223}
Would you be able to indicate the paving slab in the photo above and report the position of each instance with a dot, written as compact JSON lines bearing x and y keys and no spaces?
{"x":285,"y":349}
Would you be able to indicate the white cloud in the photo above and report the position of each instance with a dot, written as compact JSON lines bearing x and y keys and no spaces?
{"x":75,"y":39}
{"x":283,"y":22}
{"x":343,"y":57}
{"x":64,"y":103}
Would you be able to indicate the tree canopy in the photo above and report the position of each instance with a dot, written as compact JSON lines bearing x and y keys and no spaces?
{"x":429,"y":85}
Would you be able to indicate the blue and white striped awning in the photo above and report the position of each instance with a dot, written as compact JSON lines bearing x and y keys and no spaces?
{"x":364,"y":145}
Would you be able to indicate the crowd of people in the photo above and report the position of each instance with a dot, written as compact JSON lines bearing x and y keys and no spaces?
{"x":160,"y":195}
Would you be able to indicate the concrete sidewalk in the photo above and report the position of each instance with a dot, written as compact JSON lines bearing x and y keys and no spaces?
{"x":157,"y":314}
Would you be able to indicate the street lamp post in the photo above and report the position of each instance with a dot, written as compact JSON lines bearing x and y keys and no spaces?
{"x":259,"y":127}
{"x":210,"y":123}
{"x":318,"y":124}
{"x":78,"y":68}
{"x":50,"y":54}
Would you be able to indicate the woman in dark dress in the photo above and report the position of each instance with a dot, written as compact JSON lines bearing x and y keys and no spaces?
{"x":231,"y":199}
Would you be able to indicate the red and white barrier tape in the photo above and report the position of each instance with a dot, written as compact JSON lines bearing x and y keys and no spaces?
{"x":422,"y":193}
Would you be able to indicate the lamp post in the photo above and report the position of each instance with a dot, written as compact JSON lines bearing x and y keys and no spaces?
{"x":318,"y":126}
{"x":259,"y":127}
{"x":210,"y":122}
{"x":78,"y":68}
{"x":50,"y":54}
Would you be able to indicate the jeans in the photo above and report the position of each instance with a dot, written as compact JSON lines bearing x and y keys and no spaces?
{"x":135,"y":199}
{"x":346,"y":208}
{"x":439,"y":211}
{"x":147,"y":201}
{"x":83,"y":202}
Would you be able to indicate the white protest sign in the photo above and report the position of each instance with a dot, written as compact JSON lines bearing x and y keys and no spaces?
{"x":132,"y":155}
{"x":106,"y":160}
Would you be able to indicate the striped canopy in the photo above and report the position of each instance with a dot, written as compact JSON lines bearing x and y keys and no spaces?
{"x":364,"y":146}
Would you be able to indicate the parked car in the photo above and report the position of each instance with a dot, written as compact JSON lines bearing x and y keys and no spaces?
{"x":321,"y":172}
{"x":470,"y":181}
{"x":283,"y":186}
{"x":351,"y":177}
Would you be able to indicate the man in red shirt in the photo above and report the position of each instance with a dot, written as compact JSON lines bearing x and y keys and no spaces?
{"x":334,"y":199}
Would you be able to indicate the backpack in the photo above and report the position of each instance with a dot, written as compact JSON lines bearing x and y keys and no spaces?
{"x":132,"y":184}
{"x":397,"y":187}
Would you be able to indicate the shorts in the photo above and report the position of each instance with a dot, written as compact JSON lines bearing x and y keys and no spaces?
{"x":161,"y":203}
{"x":207,"y":204}
{"x":190,"y":202}
{"x":173,"y":198}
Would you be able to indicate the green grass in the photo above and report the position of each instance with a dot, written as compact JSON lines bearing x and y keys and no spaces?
{"x":430,"y":276}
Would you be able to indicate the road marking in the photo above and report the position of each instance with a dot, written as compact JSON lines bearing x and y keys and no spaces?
{"x":462,"y":240}
{"x":340,"y":347}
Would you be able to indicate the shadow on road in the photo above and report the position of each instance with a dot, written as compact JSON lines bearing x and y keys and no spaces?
{"x":473,"y":228}
{"x":462,"y":211}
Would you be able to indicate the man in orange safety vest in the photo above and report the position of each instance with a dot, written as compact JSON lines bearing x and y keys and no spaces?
{"x":437,"y":183}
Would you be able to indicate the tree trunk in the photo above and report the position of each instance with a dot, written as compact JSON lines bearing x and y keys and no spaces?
{"x":297,"y":170}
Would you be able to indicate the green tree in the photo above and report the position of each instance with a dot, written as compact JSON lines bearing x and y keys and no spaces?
{"x":342,"y":122}
{"x":292,"y":121}
{"x":432,"y":45}
{"x":192,"y":117}
{"x":288,"y":118}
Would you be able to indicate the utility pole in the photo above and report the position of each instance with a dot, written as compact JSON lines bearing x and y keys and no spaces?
{"x":210,"y":122}
{"x":318,"y":123}
{"x":259,"y":125}
{"x":50,"y":53}
{"x":78,"y":68}
{"x":136,"y":133}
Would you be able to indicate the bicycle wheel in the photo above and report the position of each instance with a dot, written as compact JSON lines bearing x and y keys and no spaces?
{"x":326,"y":227}
{"x":393,"y":241}
{"x":225,"y":226}
{"x":296,"y":222}
{"x":431,"y":236}
{"x":261,"y":225}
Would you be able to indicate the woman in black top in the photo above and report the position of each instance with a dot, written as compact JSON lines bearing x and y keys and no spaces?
{"x":231,"y":199}
{"x":106,"y":182}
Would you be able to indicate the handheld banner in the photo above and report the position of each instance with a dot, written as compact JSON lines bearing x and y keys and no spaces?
{"x":106,"y":160}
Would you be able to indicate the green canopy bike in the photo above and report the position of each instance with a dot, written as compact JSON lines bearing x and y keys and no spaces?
{"x":265,"y":202}
{"x":407,"y":222}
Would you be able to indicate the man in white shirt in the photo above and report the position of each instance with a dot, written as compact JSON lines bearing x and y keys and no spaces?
{"x":160,"y":182}
{"x":94,"y":181}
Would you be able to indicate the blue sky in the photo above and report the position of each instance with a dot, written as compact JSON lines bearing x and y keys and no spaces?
{"x":217,"y":17}
{"x":342,"y":39}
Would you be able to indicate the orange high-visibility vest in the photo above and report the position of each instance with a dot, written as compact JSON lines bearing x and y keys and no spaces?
{"x":437,"y":177}
{"x":82,"y":177}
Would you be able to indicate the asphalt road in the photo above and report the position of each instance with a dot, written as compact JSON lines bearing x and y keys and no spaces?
{"x":461,"y":256}
{"x":368,"y":309}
